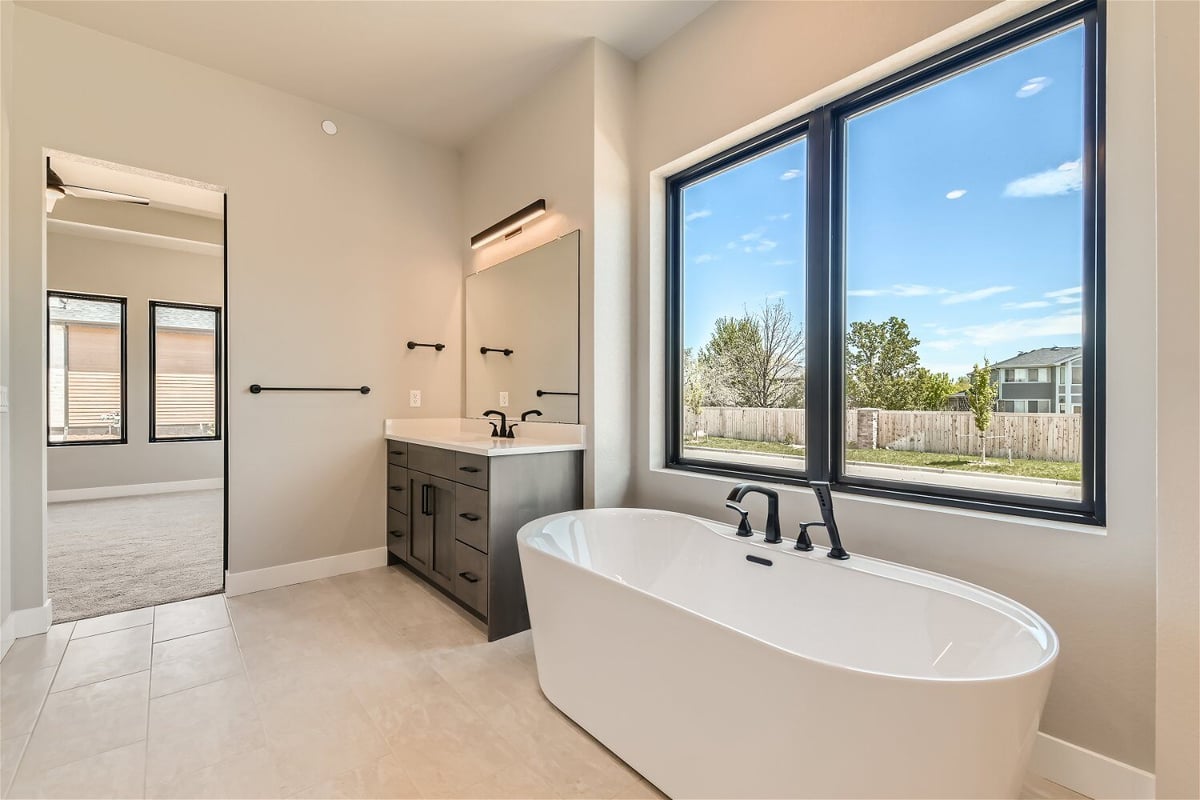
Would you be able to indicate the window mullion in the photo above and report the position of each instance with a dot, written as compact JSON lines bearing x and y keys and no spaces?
{"x":819,"y":409}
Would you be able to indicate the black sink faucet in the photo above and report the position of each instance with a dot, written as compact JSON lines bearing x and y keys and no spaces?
{"x":825,"y":501}
{"x":743,"y":489}
{"x":503,"y":431}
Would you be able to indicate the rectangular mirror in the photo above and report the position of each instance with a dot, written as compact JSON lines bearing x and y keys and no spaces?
{"x":522,"y":334}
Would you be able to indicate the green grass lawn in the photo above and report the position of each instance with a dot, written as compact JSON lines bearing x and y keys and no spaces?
{"x":996,"y":465}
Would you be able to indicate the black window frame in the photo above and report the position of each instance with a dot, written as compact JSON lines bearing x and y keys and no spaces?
{"x":825,"y":278}
{"x":105,"y":298}
{"x":217,"y":382}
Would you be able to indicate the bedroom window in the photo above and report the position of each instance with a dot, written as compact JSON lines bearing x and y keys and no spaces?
{"x":85,"y":373}
{"x":185,"y":358}
{"x":934,"y":239}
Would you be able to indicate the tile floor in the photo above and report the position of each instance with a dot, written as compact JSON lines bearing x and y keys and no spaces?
{"x":365,"y":685}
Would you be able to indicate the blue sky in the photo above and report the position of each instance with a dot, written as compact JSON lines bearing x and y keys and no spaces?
{"x":964,"y":215}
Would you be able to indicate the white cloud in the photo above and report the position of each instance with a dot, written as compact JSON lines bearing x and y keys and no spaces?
{"x":777,"y":295}
{"x":790,"y":175}
{"x":695,"y":215}
{"x":954,"y":194}
{"x":978,"y":294}
{"x":1067,"y":301}
{"x":778,"y":217}
{"x":755,"y":234}
{"x":942,"y":344}
{"x":899,"y":290}
{"x":1028,"y":304}
{"x":1064,"y":180}
{"x":704,"y":258}
{"x":1069,"y":323}
{"x":766,"y":244}
{"x":1065,"y":292}
{"x":1033,"y":86}
{"x":782,"y":262}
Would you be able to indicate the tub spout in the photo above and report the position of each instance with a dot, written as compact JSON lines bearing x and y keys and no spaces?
{"x":743,"y":489}
{"x":825,"y":501}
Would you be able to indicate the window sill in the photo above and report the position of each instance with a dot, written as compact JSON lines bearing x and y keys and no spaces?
{"x":853,"y":498}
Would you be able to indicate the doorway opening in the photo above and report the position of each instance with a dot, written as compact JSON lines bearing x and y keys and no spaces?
{"x":135,"y":377}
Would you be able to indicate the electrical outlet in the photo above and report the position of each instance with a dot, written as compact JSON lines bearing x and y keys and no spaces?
{"x":414,"y":398}
{"x":504,"y":399}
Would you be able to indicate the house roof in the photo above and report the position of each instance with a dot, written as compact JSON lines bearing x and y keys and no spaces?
{"x":1043,"y":356}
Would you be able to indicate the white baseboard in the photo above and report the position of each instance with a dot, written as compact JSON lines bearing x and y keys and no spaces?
{"x":1089,"y":773}
{"x":256,"y":580}
{"x":131,"y":490}
{"x":25,"y":622}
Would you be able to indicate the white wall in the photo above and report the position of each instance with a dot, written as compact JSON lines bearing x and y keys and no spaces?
{"x":340,"y":250}
{"x":741,"y":68}
{"x":139,"y":273}
{"x":569,"y":142}
{"x":1177,"y":60}
{"x":6,"y":593}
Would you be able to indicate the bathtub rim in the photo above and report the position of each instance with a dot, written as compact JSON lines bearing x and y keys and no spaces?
{"x":1046,"y":662}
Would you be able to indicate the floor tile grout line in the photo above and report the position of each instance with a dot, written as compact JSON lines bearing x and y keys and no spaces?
{"x":41,"y":706}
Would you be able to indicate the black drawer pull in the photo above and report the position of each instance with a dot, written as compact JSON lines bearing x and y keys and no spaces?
{"x":396,"y":488}
{"x":468,"y":469}
{"x":397,"y":534}
{"x":471,"y":517}
{"x":469,"y":577}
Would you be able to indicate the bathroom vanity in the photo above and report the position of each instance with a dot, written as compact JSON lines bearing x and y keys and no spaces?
{"x":456,"y":497}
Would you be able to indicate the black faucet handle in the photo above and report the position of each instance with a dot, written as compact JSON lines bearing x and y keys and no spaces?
{"x":744,"y":528}
{"x":804,"y":541}
{"x":495,"y":432}
{"x":511,"y":428}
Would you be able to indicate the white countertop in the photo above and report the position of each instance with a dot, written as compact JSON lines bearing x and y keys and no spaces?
{"x":474,"y":436}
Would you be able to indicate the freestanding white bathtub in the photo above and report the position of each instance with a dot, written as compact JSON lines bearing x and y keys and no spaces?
{"x":715,"y":676}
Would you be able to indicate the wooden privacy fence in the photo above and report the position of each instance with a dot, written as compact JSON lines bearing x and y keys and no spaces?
{"x":1043,"y":437}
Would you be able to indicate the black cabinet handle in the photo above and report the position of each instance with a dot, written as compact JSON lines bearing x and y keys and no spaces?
{"x":469,"y":577}
{"x":397,"y":534}
{"x":396,"y":488}
{"x":469,"y":469}
{"x":432,"y":502}
{"x":471,"y":517}
{"x":425,"y":499}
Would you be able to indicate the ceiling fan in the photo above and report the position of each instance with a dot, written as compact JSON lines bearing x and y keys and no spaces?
{"x":56,"y":190}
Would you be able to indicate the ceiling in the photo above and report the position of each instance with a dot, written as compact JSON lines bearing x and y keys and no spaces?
{"x":435,"y":69}
{"x":163,"y":191}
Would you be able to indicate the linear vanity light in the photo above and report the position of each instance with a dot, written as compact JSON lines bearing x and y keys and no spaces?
{"x":510,"y":225}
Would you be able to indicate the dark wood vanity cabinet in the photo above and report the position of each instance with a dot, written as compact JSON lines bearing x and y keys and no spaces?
{"x":455,"y":516}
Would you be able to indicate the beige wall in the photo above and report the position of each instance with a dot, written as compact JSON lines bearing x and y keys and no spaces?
{"x":1177,"y":59}
{"x":6,"y":26}
{"x":569,"y":142}
{"x":140,"y":218}
{"x":340,"y":250}
{"x":140,"y":274}
{"x":728,"y":74}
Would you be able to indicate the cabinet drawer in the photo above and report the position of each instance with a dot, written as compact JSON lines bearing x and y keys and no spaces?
{"x":398,"y":453}
{"x":397,"y":534}
{"x":471,"y":577}
{"x":431,"y":460}
{"x":397,"y":488}
{"x":471,"y":469}
{"x":471,"y":520}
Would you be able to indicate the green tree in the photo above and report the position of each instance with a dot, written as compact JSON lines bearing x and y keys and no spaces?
{"x":933,"y":389}
{"x":882,"y":365}
{"x":981,"y":397}
{"x":754,"y":361}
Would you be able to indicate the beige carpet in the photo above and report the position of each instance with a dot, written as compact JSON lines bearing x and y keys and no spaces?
{"x":131,"y":552}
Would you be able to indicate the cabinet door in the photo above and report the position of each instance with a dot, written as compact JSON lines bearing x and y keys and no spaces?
{"x":420,"y":535}
{"x":442,"y":500}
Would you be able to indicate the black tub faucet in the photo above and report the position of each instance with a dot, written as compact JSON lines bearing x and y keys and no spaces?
{"x":825,"y":501}
{"x":533,"y":412}
{"x":743,"y":489}
{"x":503,"y":430}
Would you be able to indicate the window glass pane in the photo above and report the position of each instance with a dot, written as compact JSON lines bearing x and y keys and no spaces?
{"x":185,"y":372}
{"x":743,"y":260}
{"x":963,"y":225}
{"x":84,"y":380}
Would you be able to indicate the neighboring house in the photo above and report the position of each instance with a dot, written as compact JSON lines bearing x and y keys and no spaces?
{"x":1046,"y":380}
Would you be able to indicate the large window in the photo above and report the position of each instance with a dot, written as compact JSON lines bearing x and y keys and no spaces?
{"x":86,"y":369}
{"x":936,"y":238}
{"x":185,"y":357}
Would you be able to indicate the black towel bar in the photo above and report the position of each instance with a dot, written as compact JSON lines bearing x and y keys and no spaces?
{"x":544,"y":393}
{"x":438,"y":346}
{"x":506,"y":350}
{"x":256,"y":389}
